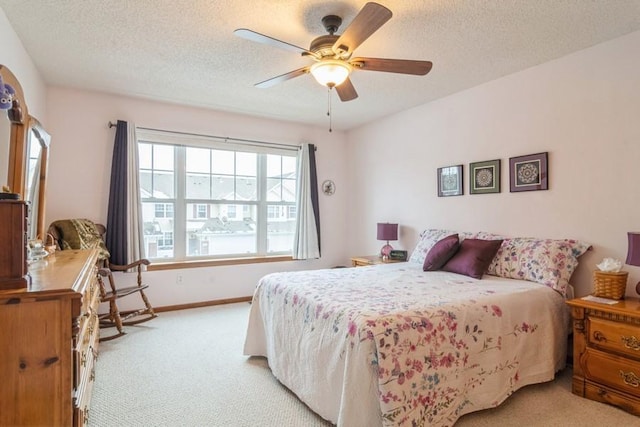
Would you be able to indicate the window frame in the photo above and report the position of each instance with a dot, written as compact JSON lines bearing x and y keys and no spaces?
{"x":180,"y":143}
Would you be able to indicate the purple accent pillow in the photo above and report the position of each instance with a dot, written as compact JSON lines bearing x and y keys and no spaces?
{"x":473,"y":257}
{"x":441,"y":252}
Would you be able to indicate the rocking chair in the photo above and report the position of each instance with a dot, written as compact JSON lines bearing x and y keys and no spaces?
{"x":84,"y":234}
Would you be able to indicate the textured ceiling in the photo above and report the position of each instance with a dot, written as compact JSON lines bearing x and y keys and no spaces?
{"x":185,"y":51}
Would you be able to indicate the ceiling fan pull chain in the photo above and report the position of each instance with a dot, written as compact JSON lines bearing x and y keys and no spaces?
{"x":329,"y":108}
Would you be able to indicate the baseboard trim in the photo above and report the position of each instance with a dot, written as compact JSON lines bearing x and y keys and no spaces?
{"x":201,"y":304}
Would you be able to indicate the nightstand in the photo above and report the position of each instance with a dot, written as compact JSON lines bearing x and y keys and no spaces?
{"x":370,"y":260}
{"x":606,"y":352}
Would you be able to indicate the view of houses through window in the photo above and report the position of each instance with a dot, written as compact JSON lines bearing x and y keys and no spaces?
{"x":216,"y":202}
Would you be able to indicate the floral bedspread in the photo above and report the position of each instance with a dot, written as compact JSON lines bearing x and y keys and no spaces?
{"x":393,"y":345}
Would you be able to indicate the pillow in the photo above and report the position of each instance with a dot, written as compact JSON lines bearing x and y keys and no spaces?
{"x":546,"y":261}
{"x":430,"y":237}
{"x":81,"y":234}
{"x":473,"y":257}
{"x":441,"y":252}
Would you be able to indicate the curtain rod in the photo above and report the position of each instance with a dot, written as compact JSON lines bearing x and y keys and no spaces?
{"x":225,"y":138}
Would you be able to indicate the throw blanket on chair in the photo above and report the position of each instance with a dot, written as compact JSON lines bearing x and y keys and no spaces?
{"x":81,"y":234}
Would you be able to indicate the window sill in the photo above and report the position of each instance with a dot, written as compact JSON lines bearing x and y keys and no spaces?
{"x":157,"y":266}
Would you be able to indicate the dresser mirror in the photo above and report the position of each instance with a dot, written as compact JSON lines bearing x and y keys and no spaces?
{"x":25,"y":145}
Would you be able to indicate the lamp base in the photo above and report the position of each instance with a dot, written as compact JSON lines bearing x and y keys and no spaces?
{"x":386,"y":250}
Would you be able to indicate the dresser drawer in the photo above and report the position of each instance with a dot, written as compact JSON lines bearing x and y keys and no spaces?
{"x":86,"y":347}
{"x":617,"y":372}
{"x":82,"y":397}
{"x":614,"y":336}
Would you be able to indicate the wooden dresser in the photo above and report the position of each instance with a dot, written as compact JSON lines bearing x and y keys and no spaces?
{"x":49,"y":343}
{"x":606,"y":352}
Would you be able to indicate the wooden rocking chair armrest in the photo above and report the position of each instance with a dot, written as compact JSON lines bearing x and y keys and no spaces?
{"x":116,"y":267}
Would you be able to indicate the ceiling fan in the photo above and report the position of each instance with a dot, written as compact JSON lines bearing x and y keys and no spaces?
{"x":332,"y":53}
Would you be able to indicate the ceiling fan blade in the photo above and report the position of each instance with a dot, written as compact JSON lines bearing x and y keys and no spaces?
{"x":346,"y":91}
{"x":367,"y":21}
{"x":402,"y":66}
{"x":261,"y":38}
{"x":282,"y":78}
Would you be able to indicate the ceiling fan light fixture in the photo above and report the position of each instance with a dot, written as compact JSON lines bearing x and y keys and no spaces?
{"x":331,"y":72}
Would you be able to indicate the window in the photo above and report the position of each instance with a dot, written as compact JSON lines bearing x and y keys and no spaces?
{"x":210,"y":199}
{"x":201,"y":211}
{"x":163,"y":210}
{"x":231,"y":211}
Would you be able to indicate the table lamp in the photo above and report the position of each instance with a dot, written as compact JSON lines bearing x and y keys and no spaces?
{"x":633,"y":252}
{"x":388,"y":232}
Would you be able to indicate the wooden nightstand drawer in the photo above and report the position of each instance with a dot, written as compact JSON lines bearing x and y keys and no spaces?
{"x":617,"y":372}
{"x":604,"y":394}
{"x":618,"y":337}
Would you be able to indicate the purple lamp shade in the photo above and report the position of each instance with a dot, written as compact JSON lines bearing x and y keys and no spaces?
{"x":387,"y":232}
{"x":633,"y":252}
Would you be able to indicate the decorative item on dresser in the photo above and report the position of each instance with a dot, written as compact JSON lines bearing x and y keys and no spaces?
{"x":49,"y":342}
{"x":608,"y":279}
{"x":606,"y":351}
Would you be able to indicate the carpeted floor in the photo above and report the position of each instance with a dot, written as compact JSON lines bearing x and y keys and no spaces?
{"x":186,"y":368}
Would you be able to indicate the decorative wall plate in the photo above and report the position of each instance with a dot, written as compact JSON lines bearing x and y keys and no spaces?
{"x":328,"y":187}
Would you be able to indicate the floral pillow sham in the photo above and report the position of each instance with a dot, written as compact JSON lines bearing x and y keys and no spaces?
{"x":546,"y":261}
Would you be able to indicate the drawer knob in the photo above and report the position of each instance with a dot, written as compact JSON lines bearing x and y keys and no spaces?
{"x":631,"y":342}
{"x":629,"y":378}
{"x":599,"y":336}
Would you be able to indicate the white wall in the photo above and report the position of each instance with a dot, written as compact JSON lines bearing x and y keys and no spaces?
{"x":15,"y":57}
{"x":80,"y":164}
{"x":584,"y":109}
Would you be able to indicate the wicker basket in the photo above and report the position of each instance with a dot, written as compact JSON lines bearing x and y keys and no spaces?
{"x":50,"y":243}
{"x":609,"y":285}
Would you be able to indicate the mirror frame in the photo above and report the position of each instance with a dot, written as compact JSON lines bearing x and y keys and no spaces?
{"x":44,"y":139}
{"x":22,"y":124}
{"x":18,"y":115}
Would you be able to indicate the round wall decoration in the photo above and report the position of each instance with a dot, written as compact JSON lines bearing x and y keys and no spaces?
{"x":328,"y":187}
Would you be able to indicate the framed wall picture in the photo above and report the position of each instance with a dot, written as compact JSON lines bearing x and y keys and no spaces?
{"x":450,"y":181}
{"x":528,"y":173}
{"x":484,"y":177}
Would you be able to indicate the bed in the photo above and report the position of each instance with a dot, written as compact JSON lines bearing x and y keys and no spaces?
{"x":392,"y":344}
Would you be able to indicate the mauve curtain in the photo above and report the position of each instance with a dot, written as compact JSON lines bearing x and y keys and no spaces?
{"x":306,"y":241}
{"x":124,"y":231}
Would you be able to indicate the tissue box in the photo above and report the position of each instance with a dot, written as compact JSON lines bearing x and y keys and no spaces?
{"x":611,"y":285}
